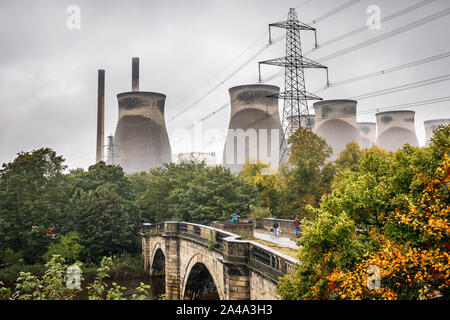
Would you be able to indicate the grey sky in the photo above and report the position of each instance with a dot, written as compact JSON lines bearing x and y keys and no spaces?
{"x":48,"y":73}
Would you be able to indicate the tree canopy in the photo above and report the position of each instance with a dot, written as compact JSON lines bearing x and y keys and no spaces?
{"x":191,"y":191}
{"x":389,"y":213}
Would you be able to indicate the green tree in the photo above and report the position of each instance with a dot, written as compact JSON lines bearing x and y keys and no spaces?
{"x":327,"y":243}
{"x":191,"y":191}
{"x":32,"y":193}
{"x":102,"y":211}
{"x":369,"y":213}
{"x":349,"y":157}
{"x":68,"y":248}
{"x":304,"y":179}
{"x":267,"y":183}
{"x":54,"y":284}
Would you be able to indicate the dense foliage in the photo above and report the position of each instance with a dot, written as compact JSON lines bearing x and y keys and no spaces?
{"x":32,"y":193}
{"x":267,"y":183}
{"x":191,"y":191}
{"x":307,"y":175}
{"x":58,"y":283}
{"x":390,"y":212}
{"x":89,"y":214}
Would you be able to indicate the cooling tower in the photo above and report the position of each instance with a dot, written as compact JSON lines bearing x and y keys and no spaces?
{"x":141,"y":141}
{"x":368,"y":132}
{"x":335,"y":121}
{"x":432,"y":125}
{"x":395,"y":128}
{"x":254,"y":131}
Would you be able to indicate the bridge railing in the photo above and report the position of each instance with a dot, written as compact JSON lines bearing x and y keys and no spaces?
{"x":258,"y":256}
{"x":153,"y":228}
{"x":271,"y":262}
{"x":206,"y":235}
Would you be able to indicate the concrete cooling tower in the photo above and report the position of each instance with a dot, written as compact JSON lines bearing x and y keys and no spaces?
{"x":335,"y":121}
{"x":254,"y":131}
{"x":431,"y":125}
{"x":395,"y":128}
{"x":141,"y":138}
{"x":368,"y":132}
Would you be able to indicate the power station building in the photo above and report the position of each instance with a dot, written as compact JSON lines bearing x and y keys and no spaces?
{"x":431,"y":125}
{"x":254,"y":130}
{"x":141,"y":141}
{"x":335,"y":121}
{"x":396,"y":128}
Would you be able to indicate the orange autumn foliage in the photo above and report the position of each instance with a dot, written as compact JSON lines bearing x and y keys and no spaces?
{"x":419,"y":270}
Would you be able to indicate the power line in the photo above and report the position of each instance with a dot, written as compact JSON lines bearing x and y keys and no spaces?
{"x":321,"y":18}
{"x":403,"y":87}
{"x":369,"y":111}
{"x":394,"y":107}
{"x":387,"y":35}
{"x":222,"y":82}
{"x":222,"y":69}
{"x":230,"y":63}
{"x":386,"y":71}
{"x":334,"y":11}
{"x":342,"y":52}
{"x":382,"y":37}
{"x":365,"y":28}
{"x":372,"y":94}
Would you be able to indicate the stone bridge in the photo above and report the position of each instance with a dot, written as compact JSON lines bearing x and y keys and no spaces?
{"x":201,"y":262}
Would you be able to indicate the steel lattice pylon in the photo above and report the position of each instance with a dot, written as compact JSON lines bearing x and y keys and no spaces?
{"x":295,"y":109}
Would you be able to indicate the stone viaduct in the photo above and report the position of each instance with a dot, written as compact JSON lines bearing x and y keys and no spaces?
{"x":201,"y":262}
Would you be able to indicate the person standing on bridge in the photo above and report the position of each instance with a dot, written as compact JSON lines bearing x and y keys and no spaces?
{"x":238,"y":215}
{"x":276,"y":225}
{"x":297,"y":227}
{"x":233,"y":220}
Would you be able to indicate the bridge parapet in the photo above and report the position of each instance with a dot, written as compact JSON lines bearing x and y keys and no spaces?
{"x":240,"y":259}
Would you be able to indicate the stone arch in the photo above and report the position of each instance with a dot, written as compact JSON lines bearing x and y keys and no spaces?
{"x":196,"y":261}
{"x":158,"y":270}
{"x":158,"y":263}
{"x":153,"y":250}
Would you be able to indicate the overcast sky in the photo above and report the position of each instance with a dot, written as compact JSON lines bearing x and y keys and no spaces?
{"x":48,"y":72}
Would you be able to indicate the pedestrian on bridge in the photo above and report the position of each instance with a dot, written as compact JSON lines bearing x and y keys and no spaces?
{"x":238,"y":215}
{"x":297,"y":227}
{"x":233,"y":220}
{"x":276,"y":226}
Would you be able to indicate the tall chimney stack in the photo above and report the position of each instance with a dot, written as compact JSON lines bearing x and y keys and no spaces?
{"x":135,"y":74}
{"x":100,"y":116}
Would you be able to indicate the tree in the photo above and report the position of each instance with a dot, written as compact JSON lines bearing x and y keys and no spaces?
{"x":191,"y":191}
{"x":303,"y":179}
{"x":390,"y":212}
{"x":32,"y":193}
{"x":54,"y":284}
{"x":415,"y":266}
{"x":328,"y":242}
{"x":267,"y":184}
{"x":68,"y":248}
{"x":349,"y":157}
{"x":102,"y":211}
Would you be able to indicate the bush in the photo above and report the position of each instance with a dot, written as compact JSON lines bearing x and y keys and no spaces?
{"x":9,"y":256}
{"x":68,"y":248}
